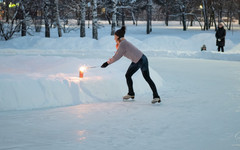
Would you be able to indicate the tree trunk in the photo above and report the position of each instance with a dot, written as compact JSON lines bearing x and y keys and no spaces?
{"x":117,"y":20}
{"x":214,"y":19}
{"x":24,"y":28}
{"x":58,"y":20}
{"x":220,"y":15}
{"x":151,"y":17}
{"x":78,"y":17}
{"x":94,"y":22}
{"x":205,"y":15}
{"x":230,"y":21}
{"x":23,"y":19}
{"x":89,"y":17}
{"x":52,"y":7}
{"x":114,"y":17}
{"x":184,"y":21}
{"x":148,"y":22}
{"x":133,"y":18}
{"x":83,"y":15}
{"x":149,"y":5}
{"x":183,"y":16}
{"x":136,"y":15}
{"x":38,"y":21}
{"x":239,"y":17}
{"x":191,"y":24}
{"x":46,"y":19}
{"x":167,"y":18}
{"x":108,"y":18}
{"x":7,"y":11}
{"x":230,"y":15}
{"x":123,"y":17}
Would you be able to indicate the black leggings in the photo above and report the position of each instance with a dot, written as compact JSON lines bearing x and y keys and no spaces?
{"x":220,"y":47}
{"x":143,"y":64}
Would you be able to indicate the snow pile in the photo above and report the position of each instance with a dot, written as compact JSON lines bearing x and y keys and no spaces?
{"x":106,"y":43}
{"x":30,"y":82}
{"x":235,"y":49}
{"x":161,"y":45}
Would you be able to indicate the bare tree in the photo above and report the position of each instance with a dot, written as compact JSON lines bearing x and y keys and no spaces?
{"x":7,"y":30}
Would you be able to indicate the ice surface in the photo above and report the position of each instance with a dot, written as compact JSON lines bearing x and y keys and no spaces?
{"x":44,"y":104}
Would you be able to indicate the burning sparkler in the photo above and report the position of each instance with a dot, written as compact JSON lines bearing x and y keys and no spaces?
{"x":83,"y":69}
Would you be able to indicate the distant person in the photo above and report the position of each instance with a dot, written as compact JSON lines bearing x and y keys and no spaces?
{"x":203,"y":48}
{"x":139,"y":61}
{"x":220,"y":36}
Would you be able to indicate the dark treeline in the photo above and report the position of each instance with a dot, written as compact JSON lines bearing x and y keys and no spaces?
{"x":28,"y":15}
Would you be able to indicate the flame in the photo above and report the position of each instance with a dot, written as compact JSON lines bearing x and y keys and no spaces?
{"x":83,"y":68}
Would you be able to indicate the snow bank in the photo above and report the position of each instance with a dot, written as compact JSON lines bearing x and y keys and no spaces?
{"x":56,"y":44}
{"x":164,"y":46}
{"x":30,"y":82}
{"x":107,"y":43}
{"x":235,"y":49}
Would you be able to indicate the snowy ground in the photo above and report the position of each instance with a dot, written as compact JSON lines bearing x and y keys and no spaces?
{"x":44,"y":105}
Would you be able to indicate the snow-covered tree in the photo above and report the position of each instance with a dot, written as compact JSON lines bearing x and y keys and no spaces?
{"x":166,"y":7}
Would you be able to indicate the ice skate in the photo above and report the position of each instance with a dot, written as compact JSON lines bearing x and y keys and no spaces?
{"x":126,"y":97}
{"x":156,"y":100}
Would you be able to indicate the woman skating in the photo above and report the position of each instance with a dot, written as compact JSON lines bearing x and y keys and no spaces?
{"x":139,"y":60}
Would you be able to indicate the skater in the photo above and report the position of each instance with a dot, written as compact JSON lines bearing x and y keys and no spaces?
{"x":220,"y":36}
{"x":139,"y":60}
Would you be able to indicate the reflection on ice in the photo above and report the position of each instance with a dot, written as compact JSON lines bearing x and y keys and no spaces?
{"x":82,"y":135}
{"x":71,"y":78}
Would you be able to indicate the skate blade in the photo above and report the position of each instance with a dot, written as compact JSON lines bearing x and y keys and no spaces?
{"x":154,"y":102}
{"x":128,"y":100}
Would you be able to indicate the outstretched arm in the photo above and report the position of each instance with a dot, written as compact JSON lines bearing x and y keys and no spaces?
{"x":117,"y":55}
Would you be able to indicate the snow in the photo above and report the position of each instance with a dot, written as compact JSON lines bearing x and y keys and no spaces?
{"x":235,"y":49}
{"x":54,"y":81}
{"x":45,"y":105}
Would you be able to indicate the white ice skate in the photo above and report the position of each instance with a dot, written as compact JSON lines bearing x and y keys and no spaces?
{"x":126,"y":97}
{"x":156,"y":100}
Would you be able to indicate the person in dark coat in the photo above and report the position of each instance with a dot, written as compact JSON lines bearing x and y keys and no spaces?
{"x":220,"y":36}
